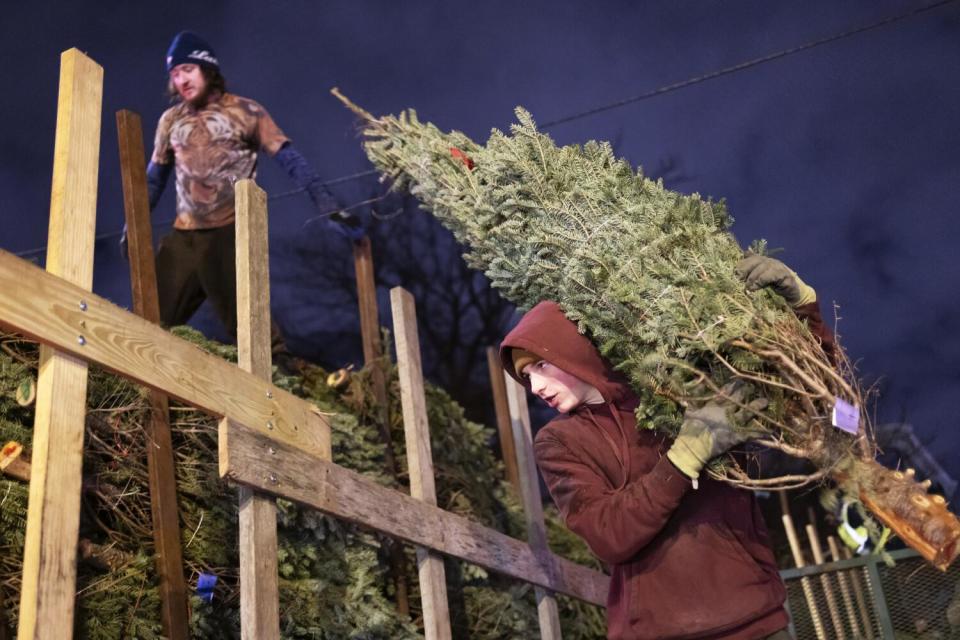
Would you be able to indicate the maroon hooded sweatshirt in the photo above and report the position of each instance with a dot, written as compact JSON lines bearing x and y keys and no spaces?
{"x":684,"y":563}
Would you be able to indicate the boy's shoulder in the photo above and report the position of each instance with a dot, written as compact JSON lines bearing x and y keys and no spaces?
{"x":562,"y":429}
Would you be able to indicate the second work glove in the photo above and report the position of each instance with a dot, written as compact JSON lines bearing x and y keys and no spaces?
{"x":713,"y":429}
{"x":759,"y":272}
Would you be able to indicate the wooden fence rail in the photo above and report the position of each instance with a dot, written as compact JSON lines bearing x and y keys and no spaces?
{"x":50,"y":310}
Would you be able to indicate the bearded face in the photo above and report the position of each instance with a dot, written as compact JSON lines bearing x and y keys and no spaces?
{"x":190,"y":83}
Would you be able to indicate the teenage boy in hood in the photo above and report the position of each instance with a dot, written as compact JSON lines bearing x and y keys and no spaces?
{"x":686,"y":561}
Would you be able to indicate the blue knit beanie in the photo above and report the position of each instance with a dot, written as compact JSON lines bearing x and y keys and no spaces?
{"x":189,"y":48}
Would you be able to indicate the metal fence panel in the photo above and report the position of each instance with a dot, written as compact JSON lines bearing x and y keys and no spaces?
{"x":908,"y":601}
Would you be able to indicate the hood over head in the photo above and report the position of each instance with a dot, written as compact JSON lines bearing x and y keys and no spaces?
{"x":546,"y":332}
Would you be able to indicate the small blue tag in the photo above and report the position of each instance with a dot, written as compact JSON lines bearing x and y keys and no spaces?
{"x":846,"y":416}
{"x":205,"y":584}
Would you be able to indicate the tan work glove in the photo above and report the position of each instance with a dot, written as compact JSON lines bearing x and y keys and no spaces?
{"x":759,"y":272}
{"x":713,"y":429}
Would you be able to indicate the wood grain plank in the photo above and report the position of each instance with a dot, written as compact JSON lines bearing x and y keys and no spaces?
{"x":259,"y":589}
{"x":367,"y":300}
{"x":53,"y":513}
{"x":49,"y":310}
{"x":136,"y":206}
{"x":504,"y":428}
{"x":174,"y":616}
{"x":253,"y":280}
{"x":416,"y":429}
{"x":547,"y":611}
{"x":374,"y":360}
{"x":249,"y":457}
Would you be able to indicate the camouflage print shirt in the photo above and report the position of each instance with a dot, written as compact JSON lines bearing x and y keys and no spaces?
{"x":211,"y":148}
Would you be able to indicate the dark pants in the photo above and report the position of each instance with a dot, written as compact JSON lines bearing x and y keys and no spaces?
{"x":198,"y":265}
{"x":780,"y":635}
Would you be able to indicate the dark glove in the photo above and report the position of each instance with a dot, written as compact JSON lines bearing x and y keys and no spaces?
{"x":124,"y":249}
{"x":348,"y":224}
{"x":759,"y":272}
{"x":713,"y":429}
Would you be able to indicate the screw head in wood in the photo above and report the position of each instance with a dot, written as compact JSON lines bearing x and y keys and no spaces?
{"x":272,"y":450}
{"x":83,"y":305}
{"x":270,"y":425}
{"x":81,"y":340}
{"x":269,"y":393}
{"x":273,"y":478}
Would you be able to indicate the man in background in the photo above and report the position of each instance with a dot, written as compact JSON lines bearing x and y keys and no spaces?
{"x":209,"y":139}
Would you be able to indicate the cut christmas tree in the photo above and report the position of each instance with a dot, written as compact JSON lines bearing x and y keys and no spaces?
{"x":649,"y":275}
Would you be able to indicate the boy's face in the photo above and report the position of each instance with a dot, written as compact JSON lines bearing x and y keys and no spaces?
{"x":561,"y":390}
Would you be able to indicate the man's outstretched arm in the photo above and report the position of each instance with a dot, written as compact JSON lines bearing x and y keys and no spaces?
{"x":300,"y":171}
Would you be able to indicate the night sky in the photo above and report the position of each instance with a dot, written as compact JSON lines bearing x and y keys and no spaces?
{"x":845,"y":154}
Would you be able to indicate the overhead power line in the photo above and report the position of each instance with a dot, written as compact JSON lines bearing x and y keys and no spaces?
{"x":327,"y":183}
{"x":748,"y":64}
{"x":670,"y":88}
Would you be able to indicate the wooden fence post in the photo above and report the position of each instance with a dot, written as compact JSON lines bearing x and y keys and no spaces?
{"x":504,"y":428}
{"x":48,"y":590}
{"x":259,"y":590}
{"x":547,"y":610}
{"x":433,"y":585}
{"x":160,"y":465}
{"x":372,"y":353}
{"x":370,"y":337}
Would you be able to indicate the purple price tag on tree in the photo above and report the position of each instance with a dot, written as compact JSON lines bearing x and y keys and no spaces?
{"x":846,"y":416}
